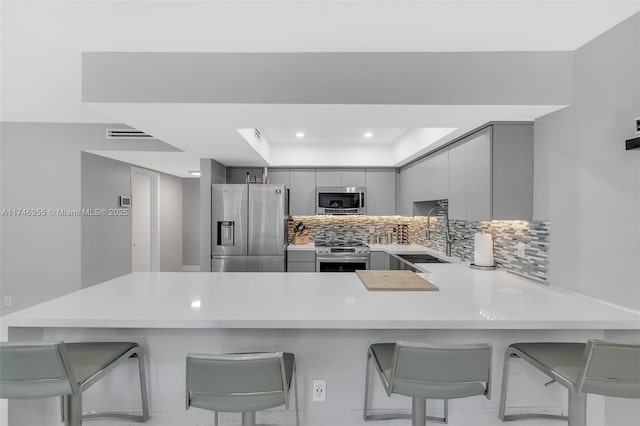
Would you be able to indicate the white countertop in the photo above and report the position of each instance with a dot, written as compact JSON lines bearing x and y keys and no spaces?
{"x":302,"y":247}
{"x":468,"y":299}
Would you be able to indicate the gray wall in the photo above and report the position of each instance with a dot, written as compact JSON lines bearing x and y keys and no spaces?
{"x":211,"y":172}
{"x":586,"y":184}
{"x":170,"y":223}
{"x":191,"y":222}
{"x":106,"y":240}
{"x":41,"y":168}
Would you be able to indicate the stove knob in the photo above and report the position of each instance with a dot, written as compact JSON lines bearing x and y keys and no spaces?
{"x":358,"y":249}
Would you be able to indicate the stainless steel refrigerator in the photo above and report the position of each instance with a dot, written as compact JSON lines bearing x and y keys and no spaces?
{"x":249,"y":228}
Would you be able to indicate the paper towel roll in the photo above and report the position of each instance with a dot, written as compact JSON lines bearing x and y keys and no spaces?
{"x":483,"y":249}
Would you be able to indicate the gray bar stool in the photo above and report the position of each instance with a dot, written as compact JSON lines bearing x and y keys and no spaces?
{"x":424,"y":371}
{"x":598,"y":367}
{"x":241,"y":383}
{"x":43,"y":370}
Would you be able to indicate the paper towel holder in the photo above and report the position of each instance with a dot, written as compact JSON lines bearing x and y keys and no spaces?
{"x":482,"y":268}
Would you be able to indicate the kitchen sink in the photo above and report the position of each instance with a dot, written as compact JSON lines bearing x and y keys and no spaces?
{"x":421,"y":258}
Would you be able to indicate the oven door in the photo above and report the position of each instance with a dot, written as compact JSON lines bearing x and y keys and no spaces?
{"x":341,"y":263}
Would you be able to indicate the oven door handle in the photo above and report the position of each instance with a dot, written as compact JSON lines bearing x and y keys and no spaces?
{"x":342,"y":259}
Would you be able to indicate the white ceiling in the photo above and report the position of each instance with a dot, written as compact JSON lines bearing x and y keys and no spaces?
{"x":42,"y":41}
{"x":333,"y":135}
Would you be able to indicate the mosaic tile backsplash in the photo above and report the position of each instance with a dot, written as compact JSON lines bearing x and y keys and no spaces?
{"x":534,"y":236}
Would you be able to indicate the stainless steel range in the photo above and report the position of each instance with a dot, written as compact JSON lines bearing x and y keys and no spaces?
{"x":347,"y":257}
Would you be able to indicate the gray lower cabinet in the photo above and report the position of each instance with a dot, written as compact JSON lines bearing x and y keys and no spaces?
{"x":301,"y":261}
{"x":378,"y":261}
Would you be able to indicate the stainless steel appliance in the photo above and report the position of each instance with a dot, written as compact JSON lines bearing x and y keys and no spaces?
{"x":340,"y":200}
{"x":249,"y":228}
{"x":347,"y":257}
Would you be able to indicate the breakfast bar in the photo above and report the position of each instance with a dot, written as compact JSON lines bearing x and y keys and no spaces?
{"x":328,"y":321}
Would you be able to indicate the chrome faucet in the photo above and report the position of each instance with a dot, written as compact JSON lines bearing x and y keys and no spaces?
{"x":429,"y":222}
{"x":448,"y":237}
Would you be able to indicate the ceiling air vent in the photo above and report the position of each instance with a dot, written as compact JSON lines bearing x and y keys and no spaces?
{"x":257,"y":134}
{"x":127,"y":134}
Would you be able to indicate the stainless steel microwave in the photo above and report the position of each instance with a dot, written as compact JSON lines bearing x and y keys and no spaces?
{"x":340,"y":200}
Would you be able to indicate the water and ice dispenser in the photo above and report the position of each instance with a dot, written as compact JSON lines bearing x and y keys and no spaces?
{"x":226,"y":231}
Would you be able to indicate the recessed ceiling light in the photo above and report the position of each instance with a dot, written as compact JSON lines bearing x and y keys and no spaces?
{"x":194,"y":172}
{"x":368,"y":134}
{"x":299,"y":135}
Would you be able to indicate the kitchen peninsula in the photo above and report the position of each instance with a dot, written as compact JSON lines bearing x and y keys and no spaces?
{"x":328,"y":320}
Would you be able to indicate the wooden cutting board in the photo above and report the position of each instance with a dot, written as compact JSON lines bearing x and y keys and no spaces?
{"x":394,"y":281}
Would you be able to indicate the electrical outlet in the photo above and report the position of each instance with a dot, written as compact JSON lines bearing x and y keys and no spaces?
{"x":7,"y":301}
{"x":520,"y":250}
{"x":319,"y":390}
{"x":372,"y":229}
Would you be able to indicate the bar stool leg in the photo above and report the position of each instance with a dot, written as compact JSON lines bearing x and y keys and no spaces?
{"x":73,"y":410}
{"x":577,"y":408}
{"x":418,"y":411}
{"x":143,"y":388}
{"x":249,"y":418}
{"x":366,"y":389}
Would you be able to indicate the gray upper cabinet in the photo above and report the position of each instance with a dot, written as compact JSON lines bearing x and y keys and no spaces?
{"x":328,"y":177}
{"x":408,"y":190}
{"x":458,"y":182}
{"x":279,"y":177}
{"x":491,"y":174}
{"x":425,"y":180}
{"x":340,"y":177}
{"x":353,"y":177}
{"x":436,"y":180}
{"x":512,"y":160}
{"x":381,"y":192}
{"x":302,"y":192}
{"x":479,"y":177}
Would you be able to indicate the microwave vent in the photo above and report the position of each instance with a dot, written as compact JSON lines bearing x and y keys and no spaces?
{"x":257,"y":135}
{"x":127,"y":134}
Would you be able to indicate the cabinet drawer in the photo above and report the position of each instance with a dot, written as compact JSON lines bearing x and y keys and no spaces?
{"x":301,"y":267}
{"x":301,"y":256}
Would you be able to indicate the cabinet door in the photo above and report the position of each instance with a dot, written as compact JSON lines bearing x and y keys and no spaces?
{"x":437,"y":176}
{"x":279,"y":177}
{"x":419,"y":181}
{"x":352,"y":177}
{"x":378,"y":261}
{"x":302,"y":192}
{"x":408,"y":190}
{"x":458,"y":182}
{"x":381,"y":192}
{"x":328,"y":177}
{"x":301,"y":266}
{"x":479,"y":177}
